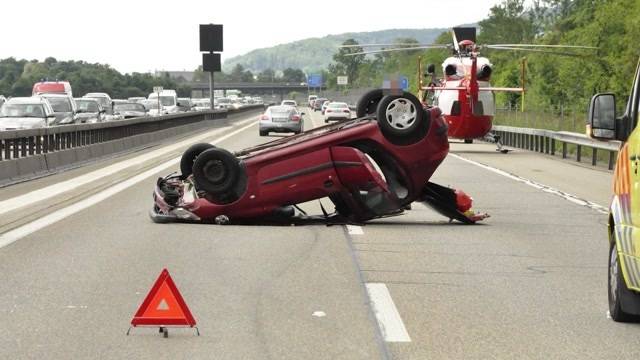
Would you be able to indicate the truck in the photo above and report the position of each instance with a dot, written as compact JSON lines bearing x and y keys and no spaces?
{"x":624,"y":210}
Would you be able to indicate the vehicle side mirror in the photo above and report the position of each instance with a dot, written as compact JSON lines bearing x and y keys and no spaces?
{"x":602,"y":117}
{"x":178,"y":104}
{"x":431,"y":69}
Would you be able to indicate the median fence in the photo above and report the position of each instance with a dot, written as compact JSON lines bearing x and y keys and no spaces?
{"x":29,"y":153}
{"x":550,"y":142}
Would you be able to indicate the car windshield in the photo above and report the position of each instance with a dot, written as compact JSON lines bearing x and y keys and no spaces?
{"x":150,"y":104}
{"x":279,"y":112}
{"x":223,"y":101}
{"x":87,"y":106}
{"x":129,"y":107}
{"x":338,"y":105}
{"x":102,"y":100}
{"x":167,"y":100}
{"x":59,"y":104}
{"x":288,"y":103}
{"x":22,"y":110}
{"x":203,"y":102}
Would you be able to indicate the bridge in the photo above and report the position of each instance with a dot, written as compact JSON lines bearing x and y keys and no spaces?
{"x":78,"y":253}
{"x":280,"y":89}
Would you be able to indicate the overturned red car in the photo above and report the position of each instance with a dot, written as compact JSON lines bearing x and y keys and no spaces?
{"x":370,"y":167}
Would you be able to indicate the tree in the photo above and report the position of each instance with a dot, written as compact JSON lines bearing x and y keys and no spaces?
{"x":348,"y":64}
{"x":267,"y":76}
{"x":290,"y":75}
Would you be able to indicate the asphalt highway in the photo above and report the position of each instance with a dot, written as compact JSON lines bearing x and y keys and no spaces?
{"x":528,"y":283}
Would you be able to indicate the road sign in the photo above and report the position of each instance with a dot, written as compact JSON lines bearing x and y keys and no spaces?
{"x":210,"y":38}
{"x":163,"y":306}
{"x":404,"y":83}
{"x":343,"y":80}
{"x":211,"y":62}
{"x":157,"y":89}
{"x":315,"y":80}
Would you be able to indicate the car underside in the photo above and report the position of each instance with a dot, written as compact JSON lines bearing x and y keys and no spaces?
{"x":371,"y":167}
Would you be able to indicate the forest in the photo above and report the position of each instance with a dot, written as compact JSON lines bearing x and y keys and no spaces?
{"x":552,"y":81}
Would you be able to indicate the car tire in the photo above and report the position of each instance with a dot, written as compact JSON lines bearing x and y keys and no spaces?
{"x":468,"y":141}
{"x":368,"y":103}
{"x":189,"y":157}
{"x":216,"y":171}
{"x":402,"y":119}
{"x":264,"y":133}
{"x":617,"y":288}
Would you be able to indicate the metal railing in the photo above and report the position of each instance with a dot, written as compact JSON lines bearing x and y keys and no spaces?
{"x":547,"y":141}
{"x":17,"y":144}
{"x":25,"y":154}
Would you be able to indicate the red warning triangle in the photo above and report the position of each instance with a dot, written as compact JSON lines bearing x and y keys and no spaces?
{"x":163,"y":305}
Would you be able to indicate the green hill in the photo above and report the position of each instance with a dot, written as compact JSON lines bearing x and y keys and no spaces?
{"x":315,"y":53}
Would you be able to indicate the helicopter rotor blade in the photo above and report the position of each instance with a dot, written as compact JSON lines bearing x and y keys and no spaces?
{"x":560,"y":53}
{"x":541,"y":46}
{"x":382,"y":45}
{"x":398,"y":49}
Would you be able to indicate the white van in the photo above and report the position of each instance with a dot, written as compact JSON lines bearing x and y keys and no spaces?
{"x":168,"y":101}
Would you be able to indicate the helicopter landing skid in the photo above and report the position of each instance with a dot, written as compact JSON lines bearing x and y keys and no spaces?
{"x":495,"y":139}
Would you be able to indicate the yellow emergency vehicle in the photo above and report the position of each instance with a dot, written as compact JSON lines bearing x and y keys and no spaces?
{"x":624,"y":212}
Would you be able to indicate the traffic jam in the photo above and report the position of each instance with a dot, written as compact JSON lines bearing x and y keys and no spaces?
{"x":52,"y":104}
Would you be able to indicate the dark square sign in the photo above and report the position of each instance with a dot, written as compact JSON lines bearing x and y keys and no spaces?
{"x":211,"y":62}
{"x":210,"y":38}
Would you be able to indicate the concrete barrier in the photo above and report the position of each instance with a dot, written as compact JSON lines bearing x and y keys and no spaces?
{"x":23,"y":168}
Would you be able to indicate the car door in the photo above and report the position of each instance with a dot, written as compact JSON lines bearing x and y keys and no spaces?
{"x":626,"y":202}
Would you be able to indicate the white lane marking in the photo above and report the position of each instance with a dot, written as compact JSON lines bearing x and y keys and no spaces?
{"x":47,"y":192}
{"x":355,"y":230}
{"x":319,"y":314}
{"x":569,"y":197}
{"x":387,"y":314}
{"x":29,"y":228}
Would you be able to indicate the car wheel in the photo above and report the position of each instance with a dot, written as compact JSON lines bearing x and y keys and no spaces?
{"x":618,"y":289}
{"x":189,"y":157}
{"x":402,"y":119}
{"x":468,"y":141}
{"x":264,"y":133}
{"x":368,"y":103}
{"x":216,"y":171}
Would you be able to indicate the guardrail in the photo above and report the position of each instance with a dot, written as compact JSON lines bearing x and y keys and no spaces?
{"x":24,"y":153}
{"x":545,"y":141}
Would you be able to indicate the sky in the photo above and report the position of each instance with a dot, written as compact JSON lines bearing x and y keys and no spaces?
{"x":143,"y":36}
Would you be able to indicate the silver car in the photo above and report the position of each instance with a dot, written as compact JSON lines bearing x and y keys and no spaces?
{"x":64,"y":108}
{"x":129,"y":110}
{"x":281,"y":119}
{"x":89,"y":111}
{"x":26,"y":113}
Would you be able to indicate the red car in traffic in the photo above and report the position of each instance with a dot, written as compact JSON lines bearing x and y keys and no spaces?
{"x":370,"y":167}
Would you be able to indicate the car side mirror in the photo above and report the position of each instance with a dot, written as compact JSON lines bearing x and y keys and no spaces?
{"x":602,"y":117}
{"x":431,"y":69}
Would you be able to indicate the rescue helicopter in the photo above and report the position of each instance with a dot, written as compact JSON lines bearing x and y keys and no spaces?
{"x":465,"y":94}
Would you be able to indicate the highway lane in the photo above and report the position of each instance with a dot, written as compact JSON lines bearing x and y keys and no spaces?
{"x":529,"y":283}
{"x":70,"y":290}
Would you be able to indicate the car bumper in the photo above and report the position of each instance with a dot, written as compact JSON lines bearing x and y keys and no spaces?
{"x":338,"y":116}
{"x":281,"y":127}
